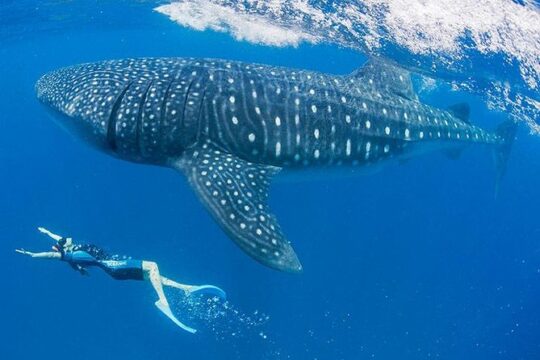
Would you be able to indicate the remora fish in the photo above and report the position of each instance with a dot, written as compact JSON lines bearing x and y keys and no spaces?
{"x":229,"y":127}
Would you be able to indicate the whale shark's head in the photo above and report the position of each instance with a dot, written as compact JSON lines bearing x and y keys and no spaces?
{"x":134,"y":109}
{"x":82,"y":99}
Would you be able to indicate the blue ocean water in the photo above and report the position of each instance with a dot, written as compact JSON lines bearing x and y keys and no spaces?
{"x":415,"y":261}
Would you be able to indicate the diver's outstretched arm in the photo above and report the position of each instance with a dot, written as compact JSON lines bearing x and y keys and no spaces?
{"x":41,"y":255}
{"x":193,"y":289}
{"x":50,"y":234}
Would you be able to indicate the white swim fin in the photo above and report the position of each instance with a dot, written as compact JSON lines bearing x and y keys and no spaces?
{"x":167,"y":311}
{"x":207,"y":290}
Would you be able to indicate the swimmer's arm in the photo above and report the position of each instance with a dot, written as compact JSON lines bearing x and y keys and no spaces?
{"x":49,"y":234}
{"x":41,"y":255}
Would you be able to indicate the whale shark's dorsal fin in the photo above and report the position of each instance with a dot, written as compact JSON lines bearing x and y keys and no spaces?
{"x":461,"y":111}
{"x":386,"y":77}
{"x":235,"y":192}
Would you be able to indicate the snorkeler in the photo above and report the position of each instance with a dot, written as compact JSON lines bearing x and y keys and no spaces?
{"x":81,"y":256}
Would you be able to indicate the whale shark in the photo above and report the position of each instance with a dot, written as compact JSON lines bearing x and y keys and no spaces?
{"x":230,"y":127}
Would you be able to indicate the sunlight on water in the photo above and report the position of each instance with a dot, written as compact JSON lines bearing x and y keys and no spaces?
{"x":202,"y":15}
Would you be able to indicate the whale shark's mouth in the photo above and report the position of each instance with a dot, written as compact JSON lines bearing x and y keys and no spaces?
{"x":68,"y":99}
{"x":53,"y":90}
{"x":50,"y":91}
{"x":45,"y":87}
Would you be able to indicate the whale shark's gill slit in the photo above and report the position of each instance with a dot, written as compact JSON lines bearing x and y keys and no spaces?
{"x":163,"y":108}
{"x":113,"y":118}
{"x":185,"y":102}
{"x":200,"y":124}
{"x":138,"y":124}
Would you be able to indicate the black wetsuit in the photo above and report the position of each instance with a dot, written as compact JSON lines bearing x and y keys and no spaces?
{"x":118,"y":269}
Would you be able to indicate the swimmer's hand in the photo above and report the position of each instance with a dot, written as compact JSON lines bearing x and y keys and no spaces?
{"x":49,"y":234}
{"x":40,"y":255}
{"x":24,"y":252}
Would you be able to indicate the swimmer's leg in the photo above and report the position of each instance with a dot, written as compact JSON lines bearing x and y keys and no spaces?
{"x":193,"y":289}
{"x":151,"y":271}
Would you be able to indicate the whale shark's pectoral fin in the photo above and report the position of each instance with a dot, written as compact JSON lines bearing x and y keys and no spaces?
{"x":386,"y":76}
{"x":235,"y":192}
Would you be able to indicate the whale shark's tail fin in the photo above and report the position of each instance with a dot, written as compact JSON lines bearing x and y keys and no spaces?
{"x":507,"y":133}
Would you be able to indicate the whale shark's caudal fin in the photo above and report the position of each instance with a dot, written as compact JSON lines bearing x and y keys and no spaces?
{"x":507,"y":133}
{"x":235,"y":192}
{"x":386,"y":76}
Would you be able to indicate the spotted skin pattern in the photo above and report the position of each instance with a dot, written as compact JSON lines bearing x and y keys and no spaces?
{"x":235,"y":192}
{"x":230,"y":126}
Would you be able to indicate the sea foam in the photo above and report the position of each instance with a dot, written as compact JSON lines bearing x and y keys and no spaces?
{"x":254,"y":28}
